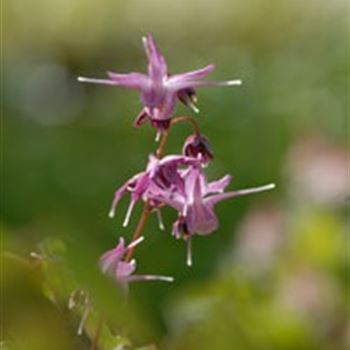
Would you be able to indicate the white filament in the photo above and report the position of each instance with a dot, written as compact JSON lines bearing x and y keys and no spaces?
{"x":189,"y":251}
{"x":83,"y":319}
{"x":236,"y":82}
{"x":111,"y":212}
{"x":128,"y":213}
{"x":136,"y":242}
{"x":160,"y":220}
{"x":194,"y":107}
{"x":158,"y":135}
{"x":137,"y":278}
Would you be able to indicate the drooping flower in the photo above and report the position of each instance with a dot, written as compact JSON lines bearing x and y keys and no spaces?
{"x":197,"y":145}
{"x":161,"y":175}
{"x":160,"y":91}
{"x":112,"y":263}
{"x":196,"y":203}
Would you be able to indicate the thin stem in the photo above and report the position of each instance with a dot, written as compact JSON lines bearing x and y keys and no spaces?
{"x":186,"y":118}
{"x":97,"y":335}
{"x":139,"y":228}
{"x":162,"y":143}
{"x":147,"y":210}
{"x":84,"y":316}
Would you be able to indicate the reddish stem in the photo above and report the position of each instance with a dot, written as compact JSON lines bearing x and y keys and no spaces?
{"x":139,"y":228}
{"x":186,"y":118}
{"x":94,"y":343}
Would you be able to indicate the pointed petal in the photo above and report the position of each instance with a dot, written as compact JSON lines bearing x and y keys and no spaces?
{"x":137,"y":81}
{"x":211,"y":201}
{"x":117,"y":196}
{"x":136,"y":185}
{"x":198,"y":192}
{"x":219,"y":185}
{"x":157,"y":68}
{"x":190,"y":76}
{"x":194,"y":186}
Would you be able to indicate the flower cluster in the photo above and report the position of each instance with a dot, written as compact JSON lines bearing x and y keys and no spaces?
{"x":177,"y":181}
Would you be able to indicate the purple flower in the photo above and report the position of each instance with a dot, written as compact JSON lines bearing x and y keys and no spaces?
{"x":195,"y":204}
{"x":112,"y":264}
{"x":197,"y":145}
{"x":161,"y":176}
{"x":160,"y":91}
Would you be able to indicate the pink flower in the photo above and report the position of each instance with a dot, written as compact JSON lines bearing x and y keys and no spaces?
{"x":161,"y":175}
{"x":160,"y":91}
{"x":195,"y":204}
{"x":112,"y":264}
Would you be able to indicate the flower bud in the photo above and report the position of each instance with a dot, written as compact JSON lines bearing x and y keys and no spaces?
{"x":197,"y":144}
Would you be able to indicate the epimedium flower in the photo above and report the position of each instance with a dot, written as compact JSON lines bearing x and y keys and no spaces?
{"x":161,"y":175}
{"x":195,"y":205}
{"x":197,"y":145}
{"x":112,"y":264}
{"x":159,"y":91}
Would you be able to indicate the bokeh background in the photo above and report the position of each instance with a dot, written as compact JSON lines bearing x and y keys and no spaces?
{"x":274,"y":276}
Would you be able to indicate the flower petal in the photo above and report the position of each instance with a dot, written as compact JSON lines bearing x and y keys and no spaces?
{"x":211,"y":201}
{"x":201,"y":219}
{"x":179,"y":160}
{"x":125,"y":269}
{"x":137,"y":81}
{"x":219,"y":185}
{"x":111,"y":258}
{"x":192,"y":75}
{"x":117,"y":196}
{"x":157,"y":68}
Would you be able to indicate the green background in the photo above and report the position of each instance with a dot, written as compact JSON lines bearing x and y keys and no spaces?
{"x":277,"y":283}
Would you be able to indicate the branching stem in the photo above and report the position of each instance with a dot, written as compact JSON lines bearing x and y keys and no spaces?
{"x":147,"y":209}
{"x":94,"y":343}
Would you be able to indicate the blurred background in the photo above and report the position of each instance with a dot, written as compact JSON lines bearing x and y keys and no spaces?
{"x":274,"y":275}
